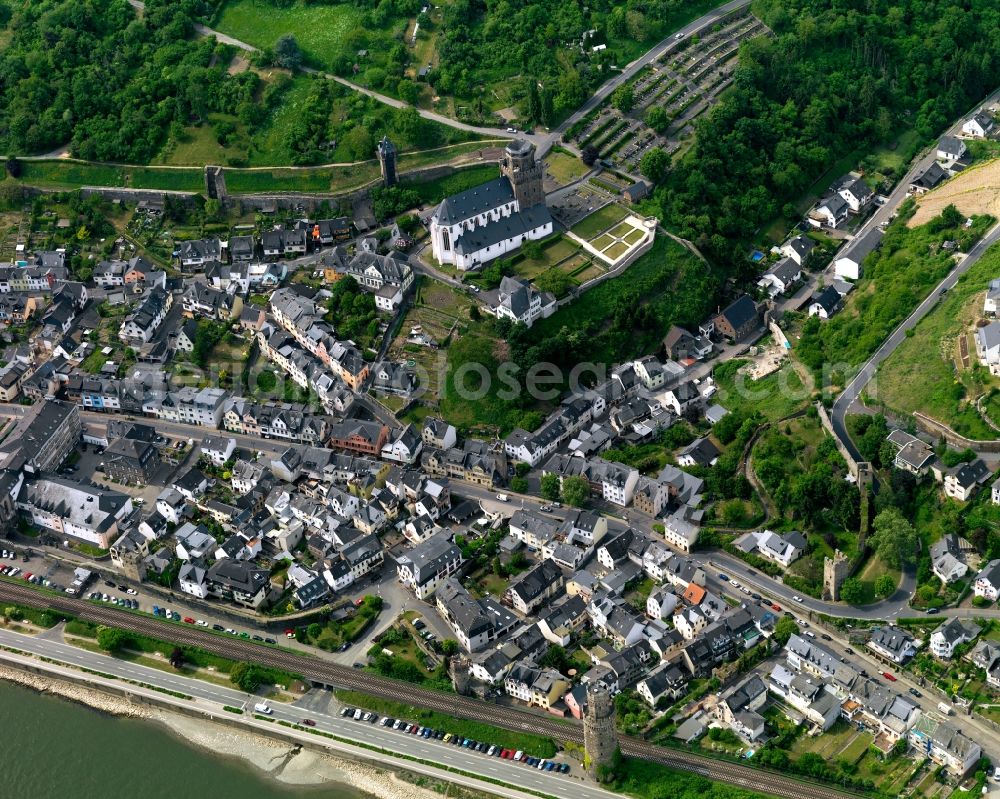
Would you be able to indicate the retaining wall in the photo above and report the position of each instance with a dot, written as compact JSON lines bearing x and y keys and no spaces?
{"x":941,"y":430}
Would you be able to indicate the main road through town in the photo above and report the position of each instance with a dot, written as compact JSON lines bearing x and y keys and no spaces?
{"x":324,"y":673}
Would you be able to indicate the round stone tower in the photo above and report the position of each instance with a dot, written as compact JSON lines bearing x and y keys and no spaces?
{"x":461,"y":674}
{"x":525,"y":174}
{"x":600,"y":738}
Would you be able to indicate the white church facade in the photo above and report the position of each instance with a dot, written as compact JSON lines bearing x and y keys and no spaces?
{"x":475,"y":226}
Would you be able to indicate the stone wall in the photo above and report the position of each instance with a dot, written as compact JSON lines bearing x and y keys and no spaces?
{"x":940,"y":430}
{"x":824,"y":418}
{"x":138,"y":195}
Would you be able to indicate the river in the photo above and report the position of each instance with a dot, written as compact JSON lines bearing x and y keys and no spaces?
{"x":55,"y":749}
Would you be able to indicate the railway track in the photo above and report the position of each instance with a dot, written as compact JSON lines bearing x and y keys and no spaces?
{"x":327,"y":673}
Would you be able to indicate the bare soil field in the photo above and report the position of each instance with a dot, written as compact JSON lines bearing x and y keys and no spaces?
{"x":975,"y":191}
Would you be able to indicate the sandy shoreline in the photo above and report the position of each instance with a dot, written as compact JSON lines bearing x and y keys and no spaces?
{"x":278,"y":760}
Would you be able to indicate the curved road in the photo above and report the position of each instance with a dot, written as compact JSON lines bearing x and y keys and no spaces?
{"x":883,"y":215}
{"x":867,"y":372}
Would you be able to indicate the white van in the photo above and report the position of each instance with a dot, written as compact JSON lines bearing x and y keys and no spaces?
{"x":502,"y":497}
{"x":262,"y":707}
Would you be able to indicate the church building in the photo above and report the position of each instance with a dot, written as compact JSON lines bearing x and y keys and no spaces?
{"x":485,"y":222}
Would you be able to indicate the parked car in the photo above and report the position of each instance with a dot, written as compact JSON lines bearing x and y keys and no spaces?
{"x":888,"y":676}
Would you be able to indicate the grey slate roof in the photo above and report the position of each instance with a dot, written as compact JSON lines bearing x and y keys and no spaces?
{"x":827,"y":299}
{"x":740,"y":311}
{"x":859,"y":249}
{"x":476,"y":200}
{"x":506,"y":227}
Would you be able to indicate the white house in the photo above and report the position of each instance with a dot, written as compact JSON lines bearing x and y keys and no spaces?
{"x":979,"y":126}
{"x":892,"y":643}
{"x":519,"y":301}
{"x":987,"y":583}
{"x":992,"y":298}
{"x":650,"y":371}
{"x":191,"y":578}
{"x":171,"y":505}
{"x":780,"y":549}
{"x":798,"y":249}
{"x":950,"y":148}
{"x":142,"y":324}
{"x":218,"y":449}
{"x":988,"y":346}
{"x":945,"y":745}
{"x":855,"y":192}
{"x":830,"y":211}
{"x":781,"y":277}
{"x":848,"y":263}
{"x":961,"y":482}
{"x":825,"y":303}
{"x":950,"y":634}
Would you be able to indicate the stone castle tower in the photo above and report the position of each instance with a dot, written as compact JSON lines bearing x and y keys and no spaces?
{"x":525,"y":174}
{"x":387,"y":161}
{"x":835,"y":571}
{"x":461,"y":674}
{"x":600,"y":738}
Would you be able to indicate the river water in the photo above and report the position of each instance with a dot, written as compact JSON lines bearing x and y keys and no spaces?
{"x":56,"y":749}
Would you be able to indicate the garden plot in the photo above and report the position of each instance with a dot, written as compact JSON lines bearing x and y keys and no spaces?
{"x":611,"y":238}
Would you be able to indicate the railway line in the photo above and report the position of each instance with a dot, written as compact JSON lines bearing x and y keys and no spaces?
{"x":333,"y":674}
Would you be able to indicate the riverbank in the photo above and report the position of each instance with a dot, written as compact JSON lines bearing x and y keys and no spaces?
{"x":283,"y":762}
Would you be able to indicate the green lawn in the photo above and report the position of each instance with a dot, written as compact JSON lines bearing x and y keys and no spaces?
{"x":535,"y":744}
{"x":199,"y":145}
{"x":872,"y":570}
{"x":554,"y":250}
{"x":926,"y":373}
{"x":74,"y":174}
{"x":565,"y":168}
{"x":321,"y":30}
{"x":320,"y":179}
{"x":599,"y":221}
{"x":433,"y":191}
{"x":775,"y":396}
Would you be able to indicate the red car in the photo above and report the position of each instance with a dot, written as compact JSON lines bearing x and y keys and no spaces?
{"x":888,"y":676}
{"x":289,"y":633}
{"x":188,"y":620}
{"x":775,"y":606}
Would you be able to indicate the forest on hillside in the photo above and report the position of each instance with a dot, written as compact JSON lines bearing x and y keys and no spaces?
{"x":93,"y":73}
{"x":837,"y":76}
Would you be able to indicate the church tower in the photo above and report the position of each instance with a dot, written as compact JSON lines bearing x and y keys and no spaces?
{"x":387,"y":160}
{"x":525,"y":175}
